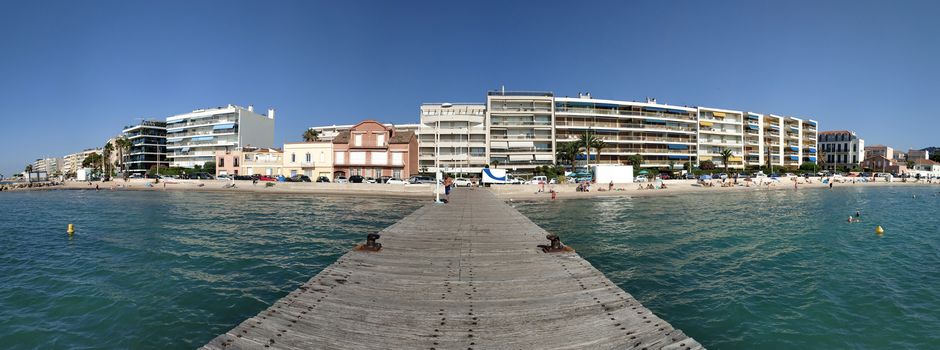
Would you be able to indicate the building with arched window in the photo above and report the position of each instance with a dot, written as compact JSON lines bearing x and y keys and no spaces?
{"x":313,"y":159}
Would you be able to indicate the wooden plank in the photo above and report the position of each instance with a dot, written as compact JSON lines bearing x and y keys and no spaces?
{"x":463,"y":275}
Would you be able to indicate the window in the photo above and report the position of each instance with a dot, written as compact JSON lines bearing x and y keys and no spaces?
{"x":378,"y":158}
{"x":221,"y":162}
{"x":339,"y":157}
{"x":357,"y":157}
{"x":358,"y":140}
{"x":398,"y":158}
{"x":396,"y":173}
{"x":308,"y":158}
{"x":854,"y":147}
{"x":380,"y":140}
{"x":235,"y":161}
{"x":293,"y":158}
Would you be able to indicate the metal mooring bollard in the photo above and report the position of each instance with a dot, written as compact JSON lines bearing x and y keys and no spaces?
{"x":555,"y":245}
{"x":371,"y":245}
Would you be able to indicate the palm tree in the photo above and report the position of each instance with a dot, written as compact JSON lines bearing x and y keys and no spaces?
{"x":725,"y":155}
{"x":311,"y":135}
{"x":29,"y":168}
{"x":568,"y":152}
{"x":495,"y":163}
{"x":122,"y":145}
{"x":105,"y":159}
{"x":589,"y":141}
{"x":636,"y":161}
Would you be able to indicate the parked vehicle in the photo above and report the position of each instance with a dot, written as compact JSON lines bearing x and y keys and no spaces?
{"x":462,"y":182}
{"x":722,"y":176}
{"x":494,"y":176}
{"x":370,"y":180}
{"x":538,"y":179}
{"x":396,"y":181}
{"x":689,"y":176}
{"x":223,"y":177}
{"x":641,"y":178}
{"x":323,"y":179}
{"x":244,"y":177}
{"x":421,"y":180}
{"x":342,"y":180}
{"x":789,"y":175}
{"x":299,"y":178}
{"x":266,"y":178}
{"x":356,"y":179}
{"x":136,"y":176}
{"x":153,"y":176}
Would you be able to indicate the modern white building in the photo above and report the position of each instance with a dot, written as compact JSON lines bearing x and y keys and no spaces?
{"x":521,"y":129}
{"x":842,"y":149}
{"x":194,"y":138}
{"x":51,"y":165}
{"x":452,"y":137}
{"x":148,"y":139}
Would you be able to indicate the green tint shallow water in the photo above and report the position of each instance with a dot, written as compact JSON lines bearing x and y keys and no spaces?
{"x":771,"y":269}
{"x":163,"y":270}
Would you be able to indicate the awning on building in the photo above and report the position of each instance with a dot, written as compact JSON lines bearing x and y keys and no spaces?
{"x":752,"y":127}
{"x":812,"y":150}
{"x":521,"y":144}
{"x":774,"y":127}
{"x":812,"y":159}
{"x":654,"y":121}
{"x":673,"y":146}
{"x":499,"y":145}
{"x":704,"y":123}
{"x":735,"y":159}
{"x":794,"y":158}
{"x":752,"y":116}
{"x":718,"y":114}
{"x":224,"y":126}
{"x":544,"y":157}
{"x":794,"y":148}
{"x":520,"y":157}
{"x":184,"y":149}
{"x":657,"y":109}
{"x":678,"y":157}
{"x":202,"y":138}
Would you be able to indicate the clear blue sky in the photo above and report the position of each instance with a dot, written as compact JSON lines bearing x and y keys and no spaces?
{"x":72,"y":73}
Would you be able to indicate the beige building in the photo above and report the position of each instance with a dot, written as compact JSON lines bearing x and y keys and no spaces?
{"x":313,"y":159}
{"x":249,"y":161}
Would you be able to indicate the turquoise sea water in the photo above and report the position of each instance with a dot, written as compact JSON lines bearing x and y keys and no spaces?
{"x":163,"y":270}
{"x":772,"y":269}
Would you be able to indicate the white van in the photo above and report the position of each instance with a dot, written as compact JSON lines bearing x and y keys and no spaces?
{"x":538,"y":179}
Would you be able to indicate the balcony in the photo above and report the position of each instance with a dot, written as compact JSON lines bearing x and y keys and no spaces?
{"x":617,"y":112}
{"x":202,"y":122}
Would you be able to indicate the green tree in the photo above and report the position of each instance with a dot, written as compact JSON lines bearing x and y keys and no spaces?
{"x":935,"y":157}
{"x":707,"y":165}
{"x":106,"y":160}
{"x":725,"y":155}
{"x":209,"y":167}
{"x":311,"y":135}
{"x":92,"y":161}
{"x":567,"y":152}
{"x":587,"y":141}
{"x":29,"y":168}
{"x":495,"y":164}
{"x":122,"y":146}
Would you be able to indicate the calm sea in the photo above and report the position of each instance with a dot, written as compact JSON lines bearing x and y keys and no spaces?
{"x":163,"y":270}
{"x":772,"y":269}
{"x":760,"y":270}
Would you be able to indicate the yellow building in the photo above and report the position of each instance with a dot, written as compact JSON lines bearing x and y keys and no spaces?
{"x":313,"y":159}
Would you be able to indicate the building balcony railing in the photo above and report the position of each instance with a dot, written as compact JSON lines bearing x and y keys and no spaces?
{"x":653,"y":127}
{"x":520,"y":137}
{"x":520,"y":123}
{"x":202,"y":122}
{"x":202,"y":133}
{"x":630,"y":113}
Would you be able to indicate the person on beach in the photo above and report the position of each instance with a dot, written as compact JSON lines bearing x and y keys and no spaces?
{"x":448,"y":182}
{"x":610,"y":186}
{"x":96,"y":187}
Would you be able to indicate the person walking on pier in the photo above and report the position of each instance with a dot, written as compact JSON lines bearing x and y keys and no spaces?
{"x":448,"y":183}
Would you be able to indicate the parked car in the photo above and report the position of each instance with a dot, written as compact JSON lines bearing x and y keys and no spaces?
{"x":370,"y":180}
{"x":136,"y":176}
{"x":244,"y":177}
{"x":538,"y":179}
{"x":641,"y":178}
{"x":462,"y":182}
{"x":153,"y":176}
{"x":722,"y":176}
{"x":342,"y":180}
{"x":396,"y":181}
{"x":789,"y":175}
{"x":663,"y":176}
{"x":323,"y":179}
{"x":223,"y":177}
{"x":356,"y":179}
{"x":299,"y":178}
{"x":421,"y":180}
{"x":689,"y":176}
{"x":266,"y":178}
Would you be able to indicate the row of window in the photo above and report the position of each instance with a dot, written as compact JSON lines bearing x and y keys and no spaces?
{"x":839,"y":147}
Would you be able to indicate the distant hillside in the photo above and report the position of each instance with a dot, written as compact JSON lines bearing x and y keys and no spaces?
{"x":931,"y":149}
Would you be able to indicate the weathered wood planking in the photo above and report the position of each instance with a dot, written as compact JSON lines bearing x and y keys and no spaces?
{"x":465,"y":275}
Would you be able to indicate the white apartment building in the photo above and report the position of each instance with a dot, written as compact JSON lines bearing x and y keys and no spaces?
{"x":51,"y":165}
{"x":194,"y":138}
{"x":452,"y":137}
{"x":521,"y":129}
{"x":73,"y":162}
{"x":841,"y":149}
{"x":719,"y":130}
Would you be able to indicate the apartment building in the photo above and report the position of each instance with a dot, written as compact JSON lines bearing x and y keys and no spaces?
{"x":879,"y":150}
{"x":660,"y":134}
{"x":371,"y":149}
{"x":520,"y":127}
{"x":915,"y":154}
{"x":313,"y":159}
{"x":51,"y":165}
{"x":720,"y":130}
{"x":148,"y":146}
{"x":453,"y":137}
{"x":72,"y":163}
{"x":842,"y":149}
{"x":194,"y":138}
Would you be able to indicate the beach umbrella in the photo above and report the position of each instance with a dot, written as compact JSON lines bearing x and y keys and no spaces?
{"x":643,"y":172}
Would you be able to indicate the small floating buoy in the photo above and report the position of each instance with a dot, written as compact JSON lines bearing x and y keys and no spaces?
{"x":879,"y":230}
{"x":71,"y":229}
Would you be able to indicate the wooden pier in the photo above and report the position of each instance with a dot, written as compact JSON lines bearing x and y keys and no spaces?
{"x":462,"y":275}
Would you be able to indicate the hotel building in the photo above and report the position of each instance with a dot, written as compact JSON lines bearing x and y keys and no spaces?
{"x":148,"y":140}
{"x":521,"y":129}
{"x":72,"y":163}
{"x":841,"y":149}
{"x":452,"y":137}
{"x":194,"y":138}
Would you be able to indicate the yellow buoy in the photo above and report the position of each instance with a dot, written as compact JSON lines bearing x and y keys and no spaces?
{"x":879,"y":230}
{"x":71,"y":229}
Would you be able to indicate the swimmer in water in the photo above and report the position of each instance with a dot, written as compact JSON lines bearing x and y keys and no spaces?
{"x":851,"y":219}
{"x":858,"y":213}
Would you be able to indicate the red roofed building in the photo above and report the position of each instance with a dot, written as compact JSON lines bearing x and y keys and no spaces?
{"x":370,"y":149}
